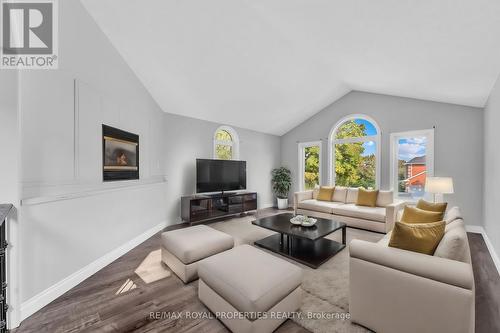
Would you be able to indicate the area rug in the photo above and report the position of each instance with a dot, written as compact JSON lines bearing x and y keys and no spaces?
{"x":326,"y":288}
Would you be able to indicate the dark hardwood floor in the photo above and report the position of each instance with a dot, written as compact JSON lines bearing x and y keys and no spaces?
{"x":116,"y":299}
{"x":487,"y":283}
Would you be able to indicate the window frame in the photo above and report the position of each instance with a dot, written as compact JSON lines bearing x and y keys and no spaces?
{"x":235,"y":143}
{"x":301,"y":147}
{"x":332,"y":140}
{"x":429,"y":156}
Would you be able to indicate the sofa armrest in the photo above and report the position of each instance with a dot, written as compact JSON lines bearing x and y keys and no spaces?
{"x":447,"y":271}
{"x":301,"y":196}
{"x":391,"y":213}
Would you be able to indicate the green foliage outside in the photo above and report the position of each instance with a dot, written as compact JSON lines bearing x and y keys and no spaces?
{"x":351,"y":167}
{"x":223,"y":152}
{"x":401,"y":175}
{"x":281,"y":181}
{"x":311,"y":167}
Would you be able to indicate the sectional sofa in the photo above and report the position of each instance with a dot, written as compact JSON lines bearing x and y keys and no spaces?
{"x":343,"y":207}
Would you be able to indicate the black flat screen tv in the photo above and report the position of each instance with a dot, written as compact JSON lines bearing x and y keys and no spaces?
{"x":220,"y":175}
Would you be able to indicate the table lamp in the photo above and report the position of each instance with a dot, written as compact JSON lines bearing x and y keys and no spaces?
{"x":439,"y":186}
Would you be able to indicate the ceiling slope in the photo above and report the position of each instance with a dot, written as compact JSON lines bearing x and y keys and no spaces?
{"x":269,"y":65}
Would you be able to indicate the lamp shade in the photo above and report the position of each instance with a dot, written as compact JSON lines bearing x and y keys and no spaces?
{"x":441,"y":185}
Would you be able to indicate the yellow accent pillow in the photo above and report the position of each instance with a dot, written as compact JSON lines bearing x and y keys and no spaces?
{"x":417,"y":237}
{"x":325,"y":193}
{"x":433,"y":207}
{"x":367,"y":197}
{"x":416,"y":215}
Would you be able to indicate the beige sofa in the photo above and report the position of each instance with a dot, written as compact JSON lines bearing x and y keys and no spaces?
{"x":343,"y":207}
{"x":393,"y":290}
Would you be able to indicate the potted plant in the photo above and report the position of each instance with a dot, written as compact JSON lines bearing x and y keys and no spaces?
{"x":282,"y":181}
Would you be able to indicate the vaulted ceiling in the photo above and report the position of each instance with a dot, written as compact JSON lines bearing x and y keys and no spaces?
{"x":268,"y":65}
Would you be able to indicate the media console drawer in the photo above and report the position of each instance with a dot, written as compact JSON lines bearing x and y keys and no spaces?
{"x":200,"y":208}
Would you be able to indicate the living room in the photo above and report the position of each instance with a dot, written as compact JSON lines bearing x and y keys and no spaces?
{"x":399,"y":98}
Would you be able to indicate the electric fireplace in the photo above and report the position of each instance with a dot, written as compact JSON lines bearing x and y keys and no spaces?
{"x":120,"y":154}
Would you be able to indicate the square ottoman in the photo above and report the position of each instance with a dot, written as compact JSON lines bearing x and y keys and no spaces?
{"x":249,"y":290}
{"x":183,"y":249}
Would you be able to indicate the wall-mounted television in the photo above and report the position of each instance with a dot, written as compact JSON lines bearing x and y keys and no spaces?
{"x":220,"y":175}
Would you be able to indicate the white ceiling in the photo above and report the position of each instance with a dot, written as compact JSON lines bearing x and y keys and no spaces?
{"x":268,"y":65}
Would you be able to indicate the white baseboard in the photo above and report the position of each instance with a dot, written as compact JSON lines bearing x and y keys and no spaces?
{"x":480,"y":230}
{"x":37,"y":302}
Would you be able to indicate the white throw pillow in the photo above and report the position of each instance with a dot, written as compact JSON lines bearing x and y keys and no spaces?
{"x":452,"y":215}
{"x":454,"y":224}
{"x":339,"y":194}
{"x":352,"y":195}
{"x":453,"y":245}
{"x":315,"y":192}
{"x":385,"y":198}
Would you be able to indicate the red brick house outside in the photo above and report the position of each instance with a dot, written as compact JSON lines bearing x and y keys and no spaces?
{"x":416,"y":172}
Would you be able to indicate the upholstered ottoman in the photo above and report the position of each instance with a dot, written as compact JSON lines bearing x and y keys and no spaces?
{"x":183,"y":249}
{"x":249,"y":290}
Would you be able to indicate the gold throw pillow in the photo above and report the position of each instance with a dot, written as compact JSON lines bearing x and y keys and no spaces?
{"x":417,"y":215}
{"x":326,"y":193}
{"x":417,"y":237}
{"x":367,"y":197}
{"x":433,"y":207}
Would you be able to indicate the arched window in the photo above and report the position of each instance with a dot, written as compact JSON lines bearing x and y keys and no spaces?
{"x":354,"y":152}
{"x":226,"y":144}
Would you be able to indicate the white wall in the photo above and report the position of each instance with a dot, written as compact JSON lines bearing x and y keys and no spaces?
{"x":69,"y":218}
{"x":188,"y":139}
{"x":492,"y":167}
{"x":9,"y":137}
{"x":9,"y":181}
{"x":61,"y":113}
{"x":458,"y":140}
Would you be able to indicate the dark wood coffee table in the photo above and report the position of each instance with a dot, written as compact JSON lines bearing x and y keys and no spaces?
{"x":303,"y":244}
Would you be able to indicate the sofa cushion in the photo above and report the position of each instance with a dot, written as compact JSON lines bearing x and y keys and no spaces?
{"x":417,"y":237}
{"x":454,"y":243}
{"x":315,"y":192}
{"x":340,"y":193}
{"x":250,"y":279}
{"x":416,"y":215}
{"x":325,"y":193}
{"x":367,"y":197}
{"x":362,"y":212}
{"x":433,"y":207}
{"x":385,"y":198}
{"x":196,"y":243}
{"x":352,"y":195}
{"x":319,"y":206}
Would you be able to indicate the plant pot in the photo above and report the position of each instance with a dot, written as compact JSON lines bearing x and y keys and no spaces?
{"x":282,"y":203}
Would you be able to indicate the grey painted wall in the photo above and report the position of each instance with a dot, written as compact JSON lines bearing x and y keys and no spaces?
{"x":187,"y":139}
{"x":492,"y":167}
{"x":458,"y":140}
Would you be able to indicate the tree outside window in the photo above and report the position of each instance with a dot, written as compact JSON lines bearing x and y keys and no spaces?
{"x":355,"y":153}
{"x":309,"y":164}
{"x":225,"y":144}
